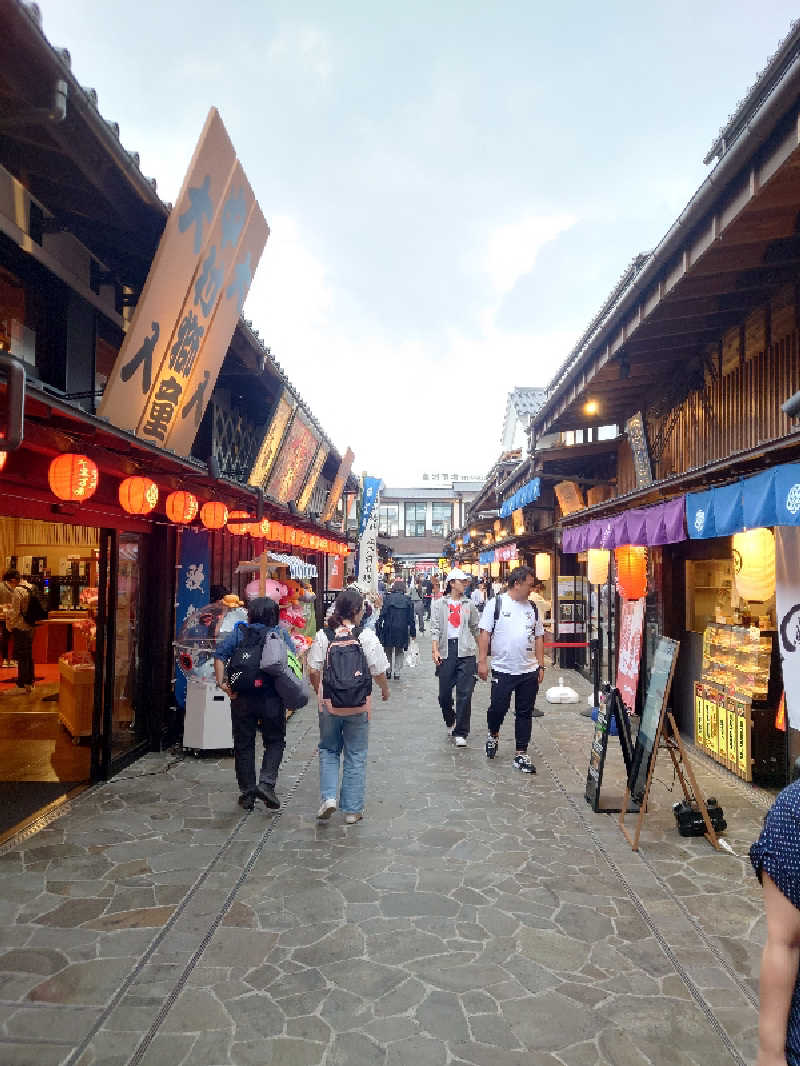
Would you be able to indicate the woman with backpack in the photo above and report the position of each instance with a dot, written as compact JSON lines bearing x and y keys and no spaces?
{"x":343,"y":661}
{"x":254,"y":708}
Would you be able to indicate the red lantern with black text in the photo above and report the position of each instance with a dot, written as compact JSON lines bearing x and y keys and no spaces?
{"x":72,"y":477}
{"x":181,"y":507}
{"x":138,"y":495}
{"x":239,"y":522}
{"x":631,"y":565}
{"x":214,"y":514}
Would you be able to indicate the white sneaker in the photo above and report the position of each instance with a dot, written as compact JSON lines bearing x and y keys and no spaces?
{"x":461,"y":742}
{"x":326,"y":810}
{"x":352,"y":817}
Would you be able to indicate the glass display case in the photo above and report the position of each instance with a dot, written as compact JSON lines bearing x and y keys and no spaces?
{"x":739,"y":658}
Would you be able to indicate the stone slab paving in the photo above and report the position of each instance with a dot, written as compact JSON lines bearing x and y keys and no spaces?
{"x":476,"y":916}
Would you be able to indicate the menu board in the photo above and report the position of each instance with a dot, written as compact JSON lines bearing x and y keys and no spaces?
{"x":655,"y":703}
{"x":612,"y":709}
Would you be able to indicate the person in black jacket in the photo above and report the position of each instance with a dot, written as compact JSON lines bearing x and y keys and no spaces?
{"x":395,"y":627}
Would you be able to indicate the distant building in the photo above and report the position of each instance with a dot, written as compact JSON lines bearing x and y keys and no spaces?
{"x":521,"y":406}
{"x":415,"y":524}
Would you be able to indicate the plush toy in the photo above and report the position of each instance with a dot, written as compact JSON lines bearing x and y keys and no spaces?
{"x":274,"y":589}
{"x":294,"y":591}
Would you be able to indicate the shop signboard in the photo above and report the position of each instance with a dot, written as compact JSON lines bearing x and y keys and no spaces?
{"x":787,"y":601}
{"x":368,"y":551}
{"x":571,"y":605}
{"x":506,"y":554}
{"x":636,"y":430}
{"x":193,"y":591}
{"x":168,"y":364}
{"x":518,"y":522}
{"x":270,"y":446}
{"x":335,"y":572}
{"x":295,"y":457}
{"x":304,"y":498}
{"x":611,"y":709}
{"x":338,"y":485}
{"x":444,"y":564}
{"x":630,"y":650}
{"x":655,"y":704}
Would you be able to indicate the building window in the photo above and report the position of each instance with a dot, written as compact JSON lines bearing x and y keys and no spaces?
{"x":389,"y":520}
{"x":442,"y":521}
{"x":415,"y":519}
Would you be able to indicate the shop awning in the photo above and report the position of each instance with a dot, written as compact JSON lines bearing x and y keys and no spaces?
{"x":650,"y":526}
{"x":771,"y":498}
{"x":298,"y":568}
{"x":521,"y":498}
{"x":486,"y":557}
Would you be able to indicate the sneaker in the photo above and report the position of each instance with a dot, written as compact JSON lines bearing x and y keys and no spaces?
{"x":352,"y":817}
{"x":266,"y":793}
{"x":523,"y":763}
{"x":450,"y":730}
{"x":461,"y":742}
{"x":247,"y":801}
{"x":326,"y":810}
{"x":492,"y":744}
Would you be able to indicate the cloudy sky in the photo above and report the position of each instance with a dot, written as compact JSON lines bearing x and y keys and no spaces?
{"x":452,"y":188}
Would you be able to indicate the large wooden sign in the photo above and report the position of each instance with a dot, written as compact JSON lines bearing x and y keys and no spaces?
{"x":171,"y":356}
{"x":338,"y":485}
{"x":636,"y":429}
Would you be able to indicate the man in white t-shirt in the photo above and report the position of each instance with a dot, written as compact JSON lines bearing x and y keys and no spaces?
{"x":517,"y":639}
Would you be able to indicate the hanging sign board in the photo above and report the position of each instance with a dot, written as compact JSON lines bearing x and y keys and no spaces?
{"x":168,"y":364}
{"x":304,"y":499}
{"x":270,"y":446}
{"x":630,"y":650}
{"x":294,"y":460}
{"x":338,"y":485}
{"x":637,"y":437}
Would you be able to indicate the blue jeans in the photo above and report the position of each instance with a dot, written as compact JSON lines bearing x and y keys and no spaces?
{"x":348,"y":734}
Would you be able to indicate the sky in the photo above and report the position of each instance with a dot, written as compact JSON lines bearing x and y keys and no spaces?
{"x":452,"y":189}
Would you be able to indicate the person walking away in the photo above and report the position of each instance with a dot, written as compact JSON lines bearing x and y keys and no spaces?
{"x":775,"y":857}
{"x":21,"y":631}
{"x":395,"y":627}
{"x":517,"y":645}
{"x":415,"y":595}
{"x":343,"y":662}
{"x":454,"y":630}
{"x":427,"y":595}
{"x":254,"y":709}
{"x":478,"y":596}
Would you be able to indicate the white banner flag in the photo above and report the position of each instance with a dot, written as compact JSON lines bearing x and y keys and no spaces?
{"x":787,"y":600}
{"x":368,"y":554}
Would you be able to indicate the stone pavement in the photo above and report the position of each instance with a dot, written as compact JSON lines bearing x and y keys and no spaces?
{"x":476,"y":916}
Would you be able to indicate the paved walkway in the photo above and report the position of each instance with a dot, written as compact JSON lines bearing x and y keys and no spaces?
{"x":476,"y":916}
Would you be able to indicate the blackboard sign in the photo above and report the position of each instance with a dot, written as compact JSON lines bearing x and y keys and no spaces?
{"x":656,"y":701}
{"x":612,"y":710}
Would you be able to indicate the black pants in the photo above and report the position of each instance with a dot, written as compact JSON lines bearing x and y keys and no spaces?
{"x":23,"y":653}
{"x":5,"y":642}
{"x":458,"y":673}
{"x":525,"y":688}
{"x":248,"y":715}
{"x":426,"y":600}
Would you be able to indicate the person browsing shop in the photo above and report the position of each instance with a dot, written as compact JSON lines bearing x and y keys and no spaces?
{"x":454,"y":630}
{"x":21,"y":631}
{"x":511,"y":623}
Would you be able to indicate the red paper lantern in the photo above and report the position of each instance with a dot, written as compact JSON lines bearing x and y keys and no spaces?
{"x":302,"y":539}
{"x":181,"y":507}
{"x":260,"y":529}
{"x":322,"y":544}
{"x":72,"y":477}
{"x":213,"y":514}
{"x":277,"y":531}
{"x":138,"y":495}
{"x":631,"y":565}
{"x":290,"y":535}
{"x":239,"y":522}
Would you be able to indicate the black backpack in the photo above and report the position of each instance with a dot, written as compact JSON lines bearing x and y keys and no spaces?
{"x":346,"y":680}
{"x":244,"y":666}
{"x":33,"y":611}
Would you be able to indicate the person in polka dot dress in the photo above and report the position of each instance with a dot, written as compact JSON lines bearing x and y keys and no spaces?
{"x":776,"y":860}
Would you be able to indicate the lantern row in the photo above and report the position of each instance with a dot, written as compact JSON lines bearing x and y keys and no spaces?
{"x":75,"y":478}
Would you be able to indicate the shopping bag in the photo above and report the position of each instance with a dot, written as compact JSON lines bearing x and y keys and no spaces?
{"x":411,"y":656}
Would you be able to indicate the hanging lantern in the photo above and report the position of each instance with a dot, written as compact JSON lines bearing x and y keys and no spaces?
{"x":261,"y":529}
{"x":181,"y":507}
{"x":138,"y":495}
{"x":322,"y":544}
{"x":3,"y":455}
{"x":597,"y":565}
{"x":542,"y":563}
{"x":213,"y":514}
{"x":494,"y":569}
{"x":303,"y":539}
{"x":277,"y":531}
{"x":631,"y":566}
{"x":72,"y":477}
{"x":754,"y":564}
{"x":290,"y":535}
{"x":313,"y":541}
{"x":239,"y":522}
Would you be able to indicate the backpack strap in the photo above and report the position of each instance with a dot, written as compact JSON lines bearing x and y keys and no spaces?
{"x":498,"y":606}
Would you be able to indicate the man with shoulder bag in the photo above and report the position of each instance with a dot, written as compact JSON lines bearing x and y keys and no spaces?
{"x":511,"y":624}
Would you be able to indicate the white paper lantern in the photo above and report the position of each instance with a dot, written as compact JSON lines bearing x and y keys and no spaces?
{"x":597,"y":565}
{"x":754,"y":564}
{"x":542,"y":562}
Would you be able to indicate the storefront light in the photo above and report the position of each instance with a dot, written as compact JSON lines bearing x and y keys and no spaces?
{"x":754,"y":564}
{"x":138,"y":495}
{"x":72,"y":477}
{"x":631,"y":565}
{"x":597,"y":565}
{"x":214,"y":514}
{"x":542,"y":564}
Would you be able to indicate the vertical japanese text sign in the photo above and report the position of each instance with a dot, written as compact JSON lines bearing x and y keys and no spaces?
{"x":338,"y":485}
{"x":187,"y":312}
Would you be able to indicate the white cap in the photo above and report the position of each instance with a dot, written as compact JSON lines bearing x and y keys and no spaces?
{"x":457,"y":575}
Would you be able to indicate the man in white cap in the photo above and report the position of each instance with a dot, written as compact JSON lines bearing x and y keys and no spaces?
{"x":454,"y":634}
